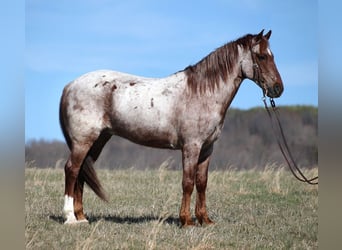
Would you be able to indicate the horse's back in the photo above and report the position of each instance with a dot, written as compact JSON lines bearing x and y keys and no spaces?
{"x":130,"y":106}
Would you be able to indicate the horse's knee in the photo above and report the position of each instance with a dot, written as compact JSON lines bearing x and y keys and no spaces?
{"x":188,"y":185}
{"x":71,"y":170}
{"x":68,"y":166}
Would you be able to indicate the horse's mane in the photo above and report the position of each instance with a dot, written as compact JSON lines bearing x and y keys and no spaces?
{"x":207,"y":73}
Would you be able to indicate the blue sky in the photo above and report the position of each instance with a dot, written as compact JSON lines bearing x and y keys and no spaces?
{"x":65,"y":39}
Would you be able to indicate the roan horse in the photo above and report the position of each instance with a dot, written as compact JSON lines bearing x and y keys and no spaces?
{"x":184,"y":111}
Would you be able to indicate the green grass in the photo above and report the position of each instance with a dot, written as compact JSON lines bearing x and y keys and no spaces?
{"x":252,"y":210}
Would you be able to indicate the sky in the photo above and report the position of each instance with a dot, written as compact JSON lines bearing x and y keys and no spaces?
{"x":65,"y":39}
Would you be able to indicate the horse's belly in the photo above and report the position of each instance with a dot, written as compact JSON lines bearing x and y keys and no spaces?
{"x":149,"y":138}
{"x":145,"y":123}
{"x":151,"y":134}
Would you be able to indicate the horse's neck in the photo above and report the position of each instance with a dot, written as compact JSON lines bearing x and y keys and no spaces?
{"x":227,"y":90}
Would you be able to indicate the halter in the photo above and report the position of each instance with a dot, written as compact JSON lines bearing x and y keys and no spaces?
{"x":257,"y":73}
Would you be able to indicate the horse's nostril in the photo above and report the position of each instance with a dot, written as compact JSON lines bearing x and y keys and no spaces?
{"x":278,"y":89}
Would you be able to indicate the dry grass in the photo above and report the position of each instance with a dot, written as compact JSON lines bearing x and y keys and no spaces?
{"x":252,"y":209}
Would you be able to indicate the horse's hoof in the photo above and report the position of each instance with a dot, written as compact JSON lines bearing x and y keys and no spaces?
{"x":188,"y":224}
{"x":70,"y":221}
{"x":74,"y":221}
{"x":208,"y":222}
{"x":83,"y":221}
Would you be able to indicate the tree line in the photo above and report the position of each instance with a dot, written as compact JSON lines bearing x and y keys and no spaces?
{"x":247,"y":141}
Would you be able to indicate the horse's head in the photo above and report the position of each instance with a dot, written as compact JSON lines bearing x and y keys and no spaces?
{"x":259,"y":66}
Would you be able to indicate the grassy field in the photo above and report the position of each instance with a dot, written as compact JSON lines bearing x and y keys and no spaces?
{"x":252,"y":209}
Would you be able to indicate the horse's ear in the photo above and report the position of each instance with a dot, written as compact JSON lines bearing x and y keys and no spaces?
{"x":259,"y":36}
{"x":261,"y":33}
{"x":268,"y":35}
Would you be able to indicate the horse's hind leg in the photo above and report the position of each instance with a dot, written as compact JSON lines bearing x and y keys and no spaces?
{"x":72,"y":168}
{"x":92,"y":156}
{"x":78,"y":196}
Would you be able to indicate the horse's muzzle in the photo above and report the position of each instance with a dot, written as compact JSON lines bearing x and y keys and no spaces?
{"x":275,"y":91}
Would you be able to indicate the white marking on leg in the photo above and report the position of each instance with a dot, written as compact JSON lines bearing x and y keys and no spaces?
{"x":69,"y":210}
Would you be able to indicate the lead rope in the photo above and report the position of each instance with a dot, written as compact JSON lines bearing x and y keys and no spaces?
{"x":284,"y":148}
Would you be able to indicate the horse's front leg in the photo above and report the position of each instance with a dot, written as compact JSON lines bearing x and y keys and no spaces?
{"x":201,"y":185}
{"x":190,"y":155}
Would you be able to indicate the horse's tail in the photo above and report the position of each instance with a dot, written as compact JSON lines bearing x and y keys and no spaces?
{"x":87,"y":172}
{"x":88,"y":175}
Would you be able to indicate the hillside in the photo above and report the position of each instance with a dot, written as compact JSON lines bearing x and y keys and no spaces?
{"x":247,"y":141}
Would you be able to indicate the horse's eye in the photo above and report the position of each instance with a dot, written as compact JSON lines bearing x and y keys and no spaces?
{"x":261,"y":57}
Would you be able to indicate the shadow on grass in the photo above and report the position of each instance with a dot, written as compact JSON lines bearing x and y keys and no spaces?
{"x":122,"y":219}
